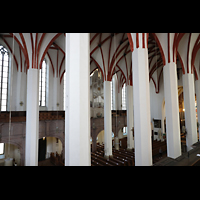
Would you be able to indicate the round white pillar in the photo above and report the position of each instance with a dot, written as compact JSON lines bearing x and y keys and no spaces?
{"x":32,"y":118}
{"x":172,"y":110}
{"x":77,"y":102}
{"x":129,"y":100}
{"x":190,"y":113}
{"x":107,"y":119}
{"x":141,"y":97}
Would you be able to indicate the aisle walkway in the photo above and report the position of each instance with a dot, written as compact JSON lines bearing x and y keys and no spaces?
{"x":186,"y":159}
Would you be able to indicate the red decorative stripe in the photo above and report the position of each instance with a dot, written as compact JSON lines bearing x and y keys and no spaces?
{"x":137,"y":40}
{"x":50,"y":43}
{"x":188,"y":48}
{"x":143,"y":39}
{"x":181,"y":61}
{"x":25,"y":49}
{"x":51,"y":63}
{"x":62,"y":76}
{"x":130,"y":41}
{"x":61,"y":64}
{"x":160,"y":47}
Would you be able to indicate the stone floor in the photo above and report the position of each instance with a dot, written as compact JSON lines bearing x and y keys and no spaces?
{"x":186,"y":159}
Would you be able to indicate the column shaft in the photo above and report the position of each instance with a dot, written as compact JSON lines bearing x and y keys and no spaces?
{"x":77,"y":105}
{"x":141,"y":97}
{"x":190,"y":114}
{"x":107,"y":119}
{"x":129,"y":100}
{"x":32,"y":118}
{"x":172,"y":111}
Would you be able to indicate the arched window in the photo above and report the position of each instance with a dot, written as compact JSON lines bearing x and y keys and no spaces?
{"x":42,"y":84}
{"x":124,"y":97}
{"x":4,"y":70}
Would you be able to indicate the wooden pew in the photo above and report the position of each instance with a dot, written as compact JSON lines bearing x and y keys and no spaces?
{"x":112,"y":160}
{"x":101,"y":161}
{"x":130,"y":160}
{"x":120,"y":156}
{"x":107,"y":160}
{"x":95,"y":163}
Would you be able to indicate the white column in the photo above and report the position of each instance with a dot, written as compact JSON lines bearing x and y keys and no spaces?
{"x":119,"y":99}
{"x":190,"y":114}
{"x":141,"y":97}
{"x":129,"y":105}
{"x":32,"y":118}
{"x":115,"y":91}
{"x":56,"y":93}
{"x":172,"y":111}
{"x":197,"y":83}
{"x":77,"y":105}
{"x":107,"y":119}
{"x":23,"y":91}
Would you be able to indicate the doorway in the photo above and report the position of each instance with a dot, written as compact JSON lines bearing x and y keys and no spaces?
{"x":42,"y":149}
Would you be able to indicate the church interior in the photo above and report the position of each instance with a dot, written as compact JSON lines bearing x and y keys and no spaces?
{"x":99,"y":99}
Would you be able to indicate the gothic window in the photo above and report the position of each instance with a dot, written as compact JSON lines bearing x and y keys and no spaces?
{"x":42,"y":84}
{"x":4,"y":70}
{"x":124,"y":97}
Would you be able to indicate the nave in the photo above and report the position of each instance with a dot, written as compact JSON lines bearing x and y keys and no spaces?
{"x":100,"y":67}
{"x":123,"y":157}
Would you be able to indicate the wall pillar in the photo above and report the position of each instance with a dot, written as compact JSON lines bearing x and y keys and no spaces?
{"x":129,"y":105}
{"x":172,"y":111}
{"x":141,"y":97}
{"x":190,"y":114}
{"x":107,"y":119}
{"x":77,"y":105}
{"x":32,"y":118}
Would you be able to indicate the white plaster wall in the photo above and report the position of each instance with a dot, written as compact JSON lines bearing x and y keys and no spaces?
{"x":156,"y":100}
{"x":52,"y":146}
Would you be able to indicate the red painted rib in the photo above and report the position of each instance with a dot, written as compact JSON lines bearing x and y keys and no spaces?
{"x":143,"y":40}
{"x":137,"y":40}
{"x":188,"y":48}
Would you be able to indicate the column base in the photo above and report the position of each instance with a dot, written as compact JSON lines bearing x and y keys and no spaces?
{"x":107,"y":157}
